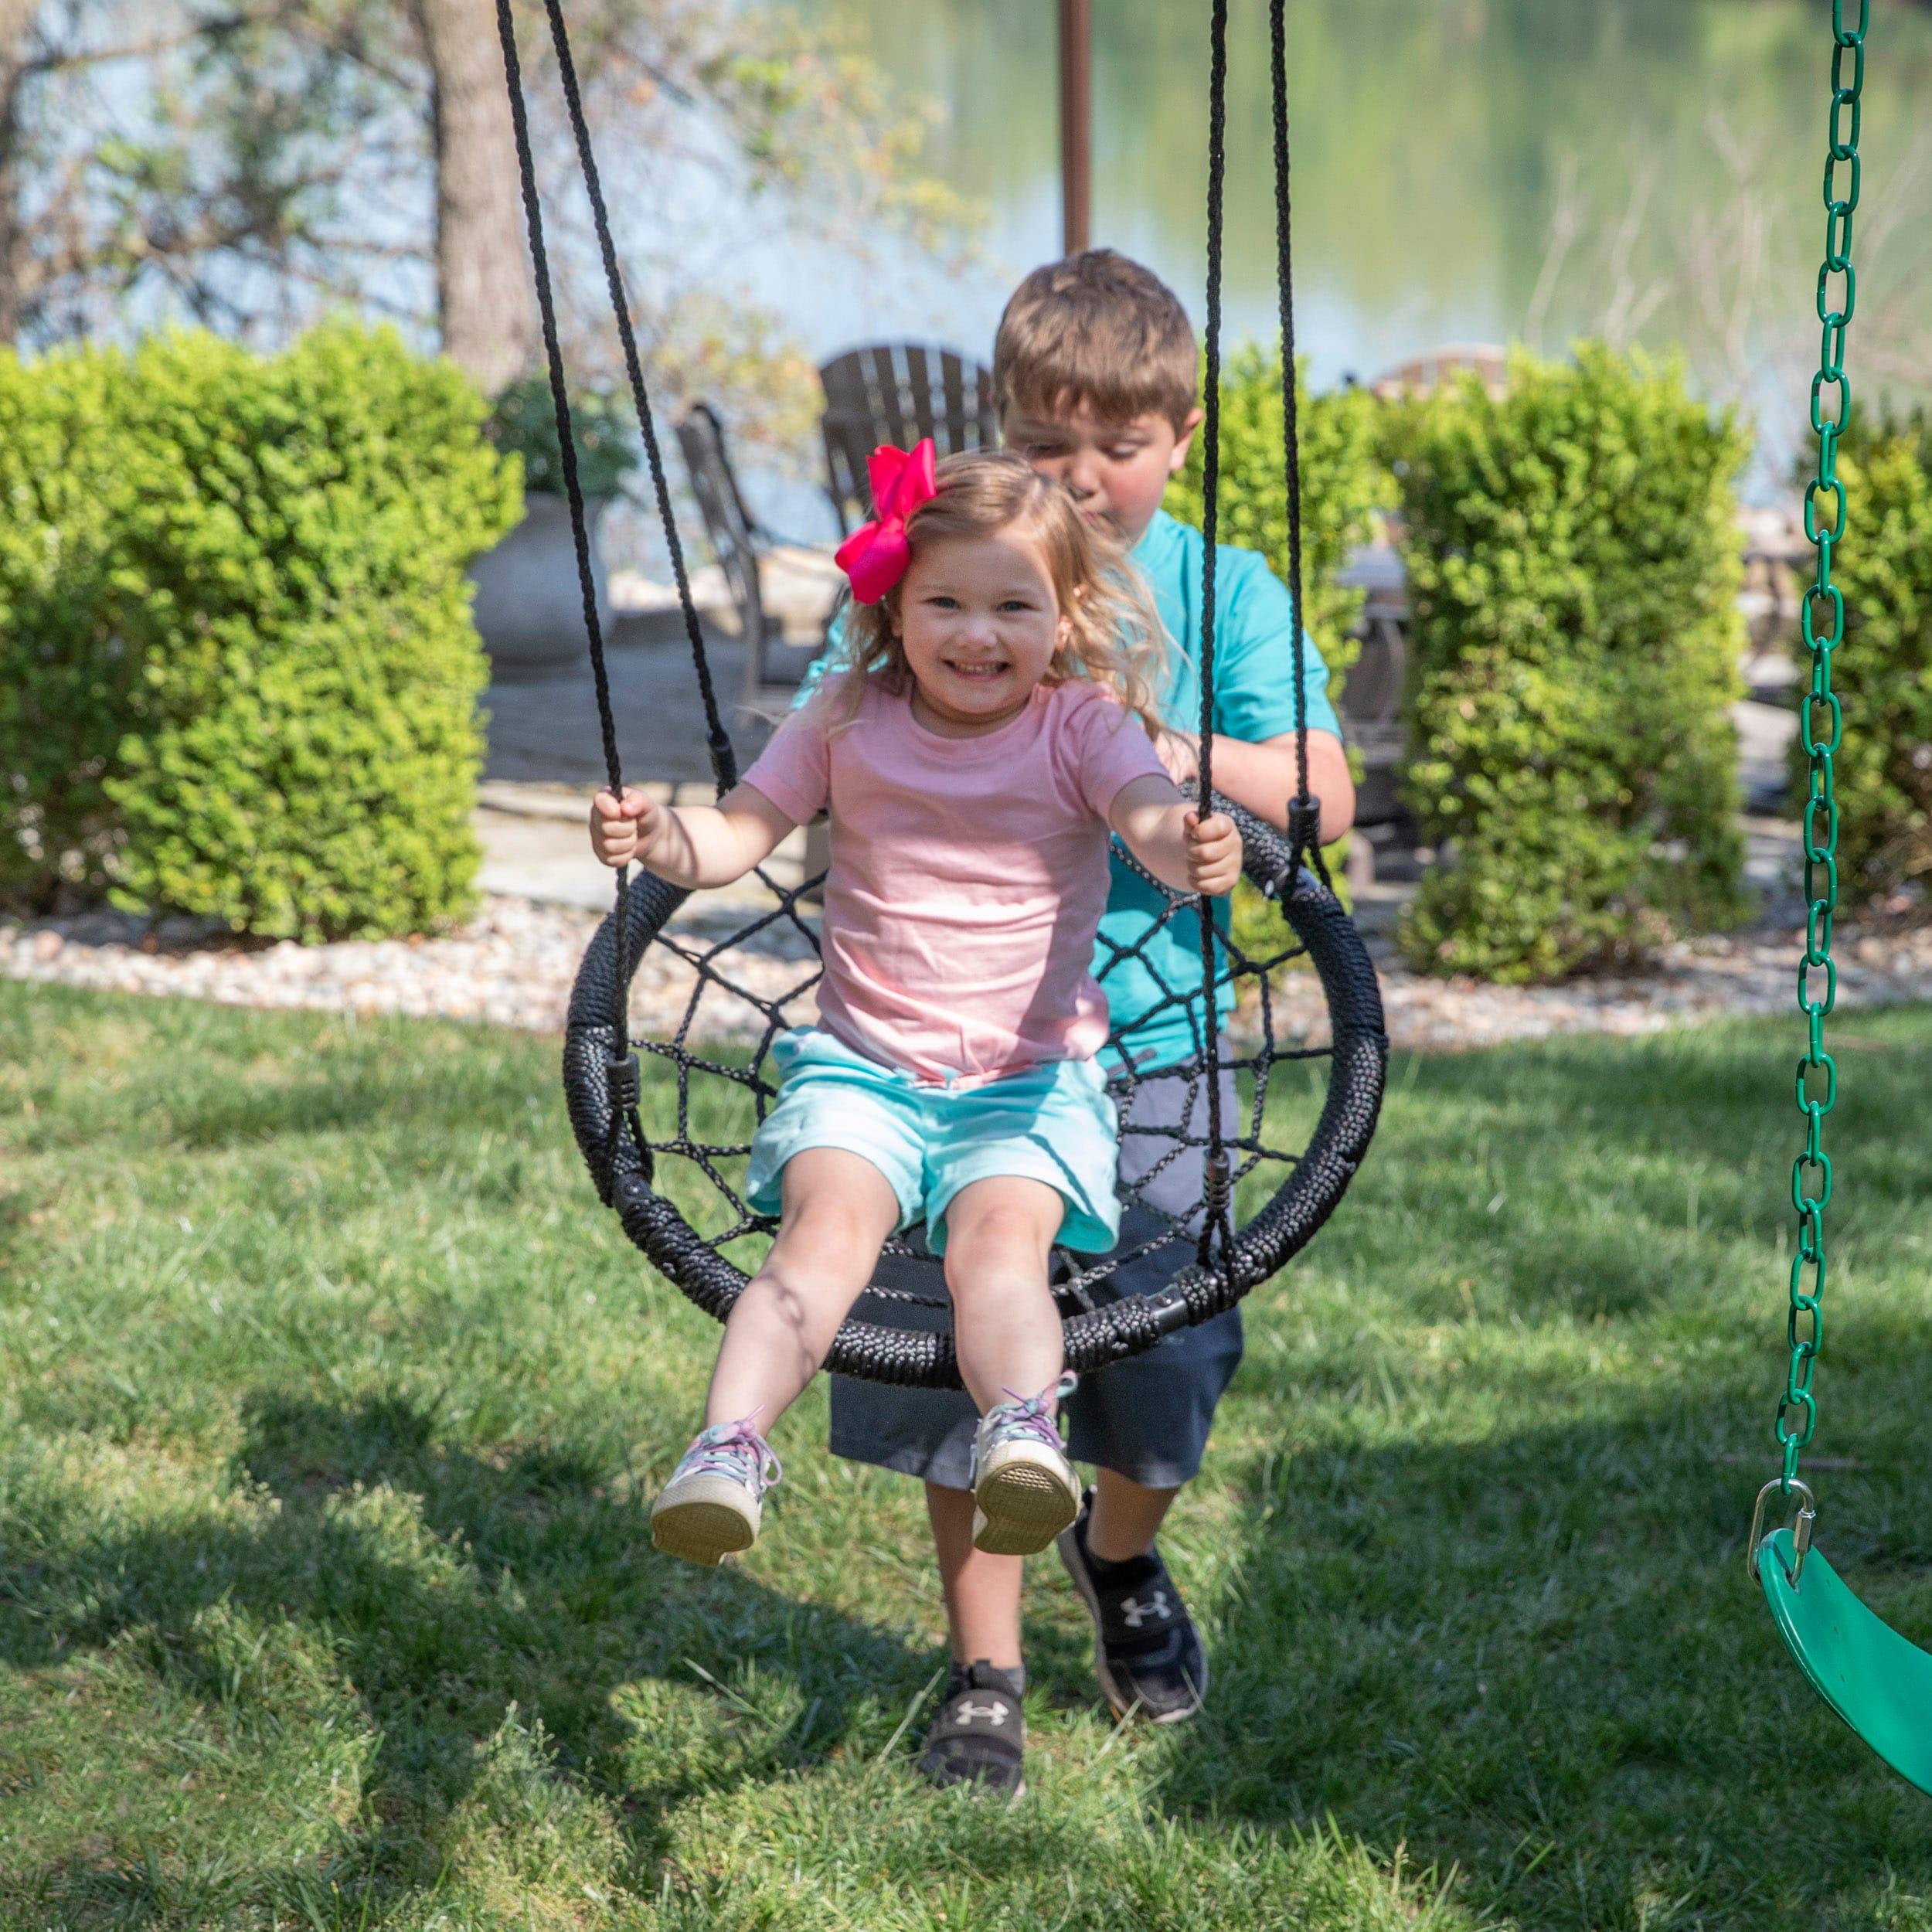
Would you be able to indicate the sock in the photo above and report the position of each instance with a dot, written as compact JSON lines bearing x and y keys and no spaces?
{"x":1016,"y":1676}
{"x":1124,"y":1575}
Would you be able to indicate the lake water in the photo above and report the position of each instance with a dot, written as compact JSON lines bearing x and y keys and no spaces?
{"x":1464,"y":170}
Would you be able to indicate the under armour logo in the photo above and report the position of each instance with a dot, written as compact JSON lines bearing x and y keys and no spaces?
{"x":1137,"y":1613}
{"x":992,"y":1712}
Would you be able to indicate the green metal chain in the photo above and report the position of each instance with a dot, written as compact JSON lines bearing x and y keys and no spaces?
{"x":1821,"y":727}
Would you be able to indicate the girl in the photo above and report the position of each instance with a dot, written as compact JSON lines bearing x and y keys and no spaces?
{"x":992,"y":733}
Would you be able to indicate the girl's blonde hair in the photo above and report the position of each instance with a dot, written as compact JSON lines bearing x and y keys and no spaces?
{"x":1114,"y":634}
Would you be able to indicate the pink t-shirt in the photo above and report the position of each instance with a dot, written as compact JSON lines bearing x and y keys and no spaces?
{"x":968,"y":875}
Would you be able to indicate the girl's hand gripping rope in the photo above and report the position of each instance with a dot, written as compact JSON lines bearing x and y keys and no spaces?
{"x":1213,"y":854}
{"x":623,"y":830}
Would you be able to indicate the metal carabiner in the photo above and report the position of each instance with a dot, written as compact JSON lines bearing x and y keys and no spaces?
{"x":1800,"y":1530}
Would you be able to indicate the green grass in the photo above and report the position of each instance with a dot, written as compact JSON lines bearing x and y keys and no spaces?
{"x":330,"y":1402}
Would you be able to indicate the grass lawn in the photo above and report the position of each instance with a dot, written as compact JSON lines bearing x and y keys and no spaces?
{"x":332,"y":1402}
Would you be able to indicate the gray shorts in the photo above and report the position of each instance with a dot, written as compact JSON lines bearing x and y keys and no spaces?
{"x":1147,"y":1418}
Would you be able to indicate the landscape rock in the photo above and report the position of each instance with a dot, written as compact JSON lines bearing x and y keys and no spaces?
{"x":513,"y":965}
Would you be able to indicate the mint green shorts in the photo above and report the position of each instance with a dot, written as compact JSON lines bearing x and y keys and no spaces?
{"x":1054,"y":1124}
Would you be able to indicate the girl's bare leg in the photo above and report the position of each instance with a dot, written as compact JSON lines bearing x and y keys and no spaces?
{"x":999,"y":1241}
{"x":838,"y":1209}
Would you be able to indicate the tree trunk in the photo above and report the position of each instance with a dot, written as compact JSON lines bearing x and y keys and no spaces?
{"x":16,"y":22}
{"x":482,"y":271}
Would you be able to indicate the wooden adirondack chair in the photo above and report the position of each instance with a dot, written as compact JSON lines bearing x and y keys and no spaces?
{"x":739,"y":542}
{"x":896,"y":392}
{"x":1372,"y":697}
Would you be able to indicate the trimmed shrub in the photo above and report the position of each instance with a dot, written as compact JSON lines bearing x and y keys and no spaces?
{"x":1882,"y":672}
{"x":1573,"y":563}
{"x":1342,"y":485}
{"x":522,"y":422}
{"x":284,"y":591}
{"x":65,"y":675}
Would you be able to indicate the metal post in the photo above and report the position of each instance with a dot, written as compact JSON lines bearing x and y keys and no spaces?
{"x":1076,"y":66}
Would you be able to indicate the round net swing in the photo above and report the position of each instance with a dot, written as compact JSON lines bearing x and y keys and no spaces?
{"x":1278,"y":1118}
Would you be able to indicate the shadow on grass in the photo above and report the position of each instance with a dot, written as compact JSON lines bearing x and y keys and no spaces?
{"x":449,"y":1589}
{"x":1537,"y":1658}
{"x":1534,"y":1654}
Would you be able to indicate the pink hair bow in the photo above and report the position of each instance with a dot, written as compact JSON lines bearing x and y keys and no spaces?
{"x":874,"y":555}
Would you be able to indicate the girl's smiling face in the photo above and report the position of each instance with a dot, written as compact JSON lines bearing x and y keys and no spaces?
{"x":980,"y":622}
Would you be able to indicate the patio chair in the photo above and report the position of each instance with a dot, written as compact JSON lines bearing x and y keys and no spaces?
{"x":1372,"y":707}
{"x":743,"y":547}
{"x":1422,"y":375}
{"x":896,"y":392}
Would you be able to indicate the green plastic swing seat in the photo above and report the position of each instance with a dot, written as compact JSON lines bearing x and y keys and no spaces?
{"x":1879,"y":1683}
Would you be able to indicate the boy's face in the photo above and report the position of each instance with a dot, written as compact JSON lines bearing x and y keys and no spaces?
{"x":1117,"y":471}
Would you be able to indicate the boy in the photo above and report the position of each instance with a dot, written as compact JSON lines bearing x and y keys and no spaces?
{"x":1095,"y":372}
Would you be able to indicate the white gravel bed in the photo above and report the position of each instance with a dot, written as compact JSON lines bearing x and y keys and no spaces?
{"x":513,"y":966}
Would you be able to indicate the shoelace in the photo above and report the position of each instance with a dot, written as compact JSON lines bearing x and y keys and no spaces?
{"x":734,"y":1449}
{"x":1032,"y":1415}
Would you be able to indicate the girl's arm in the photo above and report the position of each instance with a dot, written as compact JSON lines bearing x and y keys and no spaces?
{"x":691,"y":845}
{"x":1168,"y":837}
{"x":1261,"y":775}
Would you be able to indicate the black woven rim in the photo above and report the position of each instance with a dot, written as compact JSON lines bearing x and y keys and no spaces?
{"x":921,"y":1358}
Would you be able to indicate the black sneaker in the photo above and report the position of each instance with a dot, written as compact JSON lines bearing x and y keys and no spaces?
{"x":978,"y":1736}
{"x":1147,"y":1653}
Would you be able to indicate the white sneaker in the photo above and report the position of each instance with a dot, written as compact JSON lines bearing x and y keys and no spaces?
{"x":711,"y":1505}
{"x":1025,"y":1491}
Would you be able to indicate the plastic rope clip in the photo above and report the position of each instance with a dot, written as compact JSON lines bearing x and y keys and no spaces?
{"x":626,"y":1083}
{"x":1304,"y":825}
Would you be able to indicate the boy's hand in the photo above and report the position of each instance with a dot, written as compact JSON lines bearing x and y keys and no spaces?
{"x":1213,"y":854}
{"x":623,"y":830}
{"x":1180,"y":751}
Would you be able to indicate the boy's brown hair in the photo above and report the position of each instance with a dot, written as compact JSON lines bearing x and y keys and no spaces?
{"x":1099,"y":331}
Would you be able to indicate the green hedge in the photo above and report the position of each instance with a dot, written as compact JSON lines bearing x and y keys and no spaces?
{"x":64,"y":674}
{"x":264,"y":626}
{"x":1573,"y":562}
{"x":1342,"y":484}
{"x":1882,"y":672}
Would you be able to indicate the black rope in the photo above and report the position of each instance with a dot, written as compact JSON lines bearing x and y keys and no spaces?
{"x":1250,"y":1145}
{"x":724,"y":762}
{"x":623,"y":1067}
{"x":1099,"y":1327}
{"x":1305,"y":817}
{"x":601,"y":1079}
{"x":1215,"y":1221}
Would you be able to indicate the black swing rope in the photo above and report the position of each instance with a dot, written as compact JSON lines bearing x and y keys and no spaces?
{"x":1305,"y":810}
{"x":601,"y":1076}
{"x":1304,"y":813}
{"x":1216,"y":1195}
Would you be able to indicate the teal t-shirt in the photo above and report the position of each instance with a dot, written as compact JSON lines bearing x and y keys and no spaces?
{"x":1253,"y":699}
{"x":1148,"y":990}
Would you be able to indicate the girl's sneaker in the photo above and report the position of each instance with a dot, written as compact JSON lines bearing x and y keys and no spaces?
{"x":1025,"y":1491}
{"x":711,"y":1506}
